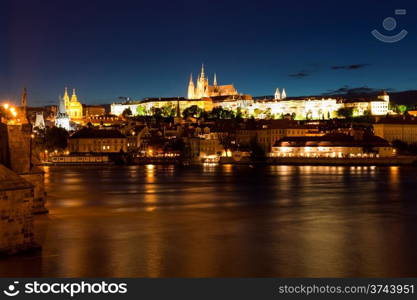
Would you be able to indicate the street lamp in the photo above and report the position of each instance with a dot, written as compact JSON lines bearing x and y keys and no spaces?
{"x":32,"y":136}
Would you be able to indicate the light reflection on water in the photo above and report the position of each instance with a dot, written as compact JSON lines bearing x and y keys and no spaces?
{"x":221,"y":221}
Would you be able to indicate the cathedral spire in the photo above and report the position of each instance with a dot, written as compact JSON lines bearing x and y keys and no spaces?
{"x":74,"y":96}
{"x":191,"y":90}
{"x":277,"y":94}
{"x":66,"y":98}
{"x":215,"y":80}
{"x":283,"y":94}
{"x":202,"y":70}
{"x":66,"y":93}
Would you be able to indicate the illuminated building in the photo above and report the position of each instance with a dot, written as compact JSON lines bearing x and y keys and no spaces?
{"x":317,"y":109}
{"x":266,"y":133}
{"x":392,"y":129}
{"x":205,"y":145}
{"x":117,"y":109}
{"x":90,"y":140}
{"x":136,"y":137}
{"x":94,"y":110}
{"x":39,"y":121}
{"x":412,"y":113}
{"x":148,"y":104}
{"x":204,"y":104}
{"x":299,"y":109}
{"x":207,"y":97}
{"x":243,"y":102}
{"x":334,"y":145}
{"x":202,"y":88}
{"x":104,"y":120}
{"x":73,"y":107}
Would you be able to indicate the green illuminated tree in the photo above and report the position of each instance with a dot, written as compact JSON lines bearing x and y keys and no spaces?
{"x":140,"y":110}
{"x":168,"y":110}
{"x":402,"y":109}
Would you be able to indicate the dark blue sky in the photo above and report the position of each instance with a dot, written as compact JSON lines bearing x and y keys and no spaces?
{"x":107,"y":49}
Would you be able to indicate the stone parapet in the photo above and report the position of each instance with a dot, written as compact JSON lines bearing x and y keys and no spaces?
{"x":16,"y":213}
{"x":37,"y":179}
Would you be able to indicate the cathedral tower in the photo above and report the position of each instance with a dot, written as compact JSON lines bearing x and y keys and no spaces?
{"x":202,"y":84}
{"x":191,"y":89}
{"x":277,"y":94}
{"x":284,"y":94}
{"x":24,"y":103}
{"x":74,"y":96}
{"x":202,"y":89}
{"x":66,"y":99}
{"x":384,"y":96}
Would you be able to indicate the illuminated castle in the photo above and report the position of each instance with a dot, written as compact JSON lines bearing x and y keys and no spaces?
{"x":202,"y":88}
{"x":73,"y":107}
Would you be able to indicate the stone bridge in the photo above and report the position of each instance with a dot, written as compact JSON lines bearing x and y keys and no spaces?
{"x":22,"y":192}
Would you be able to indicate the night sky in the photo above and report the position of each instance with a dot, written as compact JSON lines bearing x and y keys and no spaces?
{"x":138,"y":49}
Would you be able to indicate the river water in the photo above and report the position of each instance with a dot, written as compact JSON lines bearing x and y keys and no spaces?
{"x":225,"y":221}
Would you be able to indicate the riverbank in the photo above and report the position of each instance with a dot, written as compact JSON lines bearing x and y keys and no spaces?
{"x":330,"y":161}
{"x":298,"y":161}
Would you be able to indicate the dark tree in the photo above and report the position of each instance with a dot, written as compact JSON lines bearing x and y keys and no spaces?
{"x":226,"y":141}
{"x":221,"y":113}
{"x":56,"y":138}
{"x":257,"y":152}
{"x":127,"y":112}
{"x":192,"y":111}
{"x":400,"y":146}
{"x":345,"y":112}
{"x":156,"y":112}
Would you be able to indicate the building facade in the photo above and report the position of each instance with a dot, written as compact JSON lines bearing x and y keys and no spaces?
{"x":335,"y":145}
{"x":397,"y":129}
{"x":267,"y":134}
{"x":90,"y":140}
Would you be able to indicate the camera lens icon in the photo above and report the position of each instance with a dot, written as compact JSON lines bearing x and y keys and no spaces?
{"x":389,"y":24}
{"x":11,"y":290}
